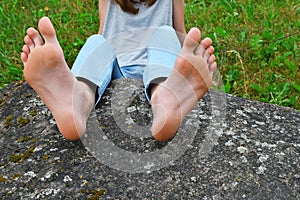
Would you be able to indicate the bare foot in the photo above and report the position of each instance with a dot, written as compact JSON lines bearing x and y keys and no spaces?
{"x":46,"y":71}
{"x":190,"y":79}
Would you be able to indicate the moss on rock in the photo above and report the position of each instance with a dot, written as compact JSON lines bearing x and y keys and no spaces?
{"x":18,"y":157}
{"x":8,"y":121}
{"x":22,"y":121}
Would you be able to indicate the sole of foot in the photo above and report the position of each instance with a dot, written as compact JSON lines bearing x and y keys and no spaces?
{"x":189,"y":81}
{"x":46,"y":71}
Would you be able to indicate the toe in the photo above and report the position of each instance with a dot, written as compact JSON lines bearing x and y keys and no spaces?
{"x":206,"y":43}
{"x":29,"y":42}
{"x":213,"y":67}
{"x":210,"y":50}
{"x":206,"y":57}
{"x":192,"y":39}
{"x":26,"y":49}
{"x":205,"y":48}
{"x":24,"y":57}
{"x":211,"y":59}
{"x":47,"y":30}
{"x":35,"y":36}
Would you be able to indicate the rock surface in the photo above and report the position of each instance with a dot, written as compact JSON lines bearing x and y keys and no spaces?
{"x":227,"y":148}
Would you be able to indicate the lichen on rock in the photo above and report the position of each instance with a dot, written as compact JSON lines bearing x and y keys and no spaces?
{"x":255,"y":154}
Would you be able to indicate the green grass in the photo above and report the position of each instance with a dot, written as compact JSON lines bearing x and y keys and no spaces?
{"x":257,"y":42}
{"x":257,"y":46}
{"x":74,"y":21}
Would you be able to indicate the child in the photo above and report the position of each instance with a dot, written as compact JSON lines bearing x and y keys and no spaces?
{"x":175,"y":78}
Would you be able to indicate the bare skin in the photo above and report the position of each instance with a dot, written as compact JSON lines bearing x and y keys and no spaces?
{"x":191,"y":78}
{"x":71,"y":101}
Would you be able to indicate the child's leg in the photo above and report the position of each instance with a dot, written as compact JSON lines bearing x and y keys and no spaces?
{"x":96,"y":64}
{"x":190,"y":78}
{"x":163,"y":49}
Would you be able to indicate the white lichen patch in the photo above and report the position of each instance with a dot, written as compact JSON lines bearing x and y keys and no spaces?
{"x":261,"y":170}
{"x":43,"y":193}
{"x":149,"y":166}
{"x":26,"y":108}
{"x":36,"y":102}
{"x":229,"y":143}
{"x":52,"y":121}
{"x":234,"y":184}
{"x":297,"y":175}
{"x":296,"y":145}
{"x":131,"y":109}
{"x":242,"y":149}
{"x":264,"y":144}
{"x":277,"y":117}
{"x":244,"y":159}
{"x":276,"y":128}
{"x":240,"y":112}
{"x":129,"y":121}
{"x":64,"y":150}
{"x":245,"y":137}
{"x":263,"y":158}
{"x":47,"y":176}
{"x":30,"y":174}
{"x":204,"y":117}
{"x":230,"y":132}
{"x":84,"y":182}
{"x":50,"y":191}
{"x":56,"y":158}
{"x":254,"y":126}
{"x":194,"y":178}
{"x":67,"y":179}
{"x":260,"y":123}
{"x":36,"y":149}
{"x":55,"y":149}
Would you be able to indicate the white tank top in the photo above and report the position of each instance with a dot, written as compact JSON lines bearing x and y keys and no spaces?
{"x":129,"y":34}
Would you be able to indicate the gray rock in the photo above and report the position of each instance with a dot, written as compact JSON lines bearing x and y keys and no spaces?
{"x":226,"y":148}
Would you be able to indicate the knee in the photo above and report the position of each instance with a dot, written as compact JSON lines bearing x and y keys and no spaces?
{"x":166,"y":27}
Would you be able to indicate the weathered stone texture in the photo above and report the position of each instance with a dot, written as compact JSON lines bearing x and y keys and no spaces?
{"x":232,"y":148}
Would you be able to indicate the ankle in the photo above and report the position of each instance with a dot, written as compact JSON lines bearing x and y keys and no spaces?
{"x":88,"y":84}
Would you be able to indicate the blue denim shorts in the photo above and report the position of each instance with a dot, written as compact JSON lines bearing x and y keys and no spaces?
{"x":97,"y":61}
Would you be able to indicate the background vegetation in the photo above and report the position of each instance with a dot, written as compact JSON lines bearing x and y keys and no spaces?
{"x":257,"y":42}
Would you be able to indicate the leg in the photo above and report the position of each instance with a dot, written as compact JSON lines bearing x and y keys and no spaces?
{"x":190,"y":79}
{"x":70,"y":101}
{"x":95,"y":71}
